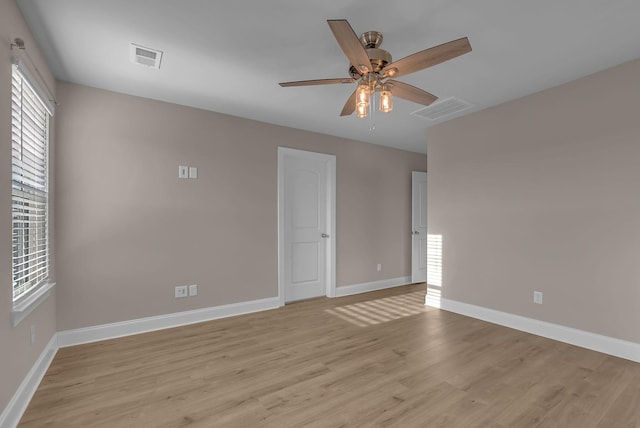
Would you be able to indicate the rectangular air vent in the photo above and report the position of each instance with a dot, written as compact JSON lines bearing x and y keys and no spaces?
{"x":145,"y":56}
{"x":442,"y":109}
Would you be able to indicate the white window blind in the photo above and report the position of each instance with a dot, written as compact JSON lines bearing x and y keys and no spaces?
{"x":29,"y":149}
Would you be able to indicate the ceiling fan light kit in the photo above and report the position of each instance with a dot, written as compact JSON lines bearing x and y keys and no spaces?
{"x":372,"y":69}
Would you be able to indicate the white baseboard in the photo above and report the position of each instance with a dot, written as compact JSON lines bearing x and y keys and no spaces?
{"x":596,"y":342}
{"x":20,"y":400}
{"x":365,"y":287}
{"x":143,"y":325}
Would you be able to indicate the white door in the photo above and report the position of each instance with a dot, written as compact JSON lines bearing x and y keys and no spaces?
{"x":306,"y":225}
{"x":419,"y":227}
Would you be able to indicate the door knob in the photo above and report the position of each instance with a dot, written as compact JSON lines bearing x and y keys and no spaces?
{"x":415,"y":232}
{"x":324,"y":235}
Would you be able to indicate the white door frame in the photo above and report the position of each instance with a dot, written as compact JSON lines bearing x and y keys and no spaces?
{"x":330,"y":256}
{"x":415,"y":252}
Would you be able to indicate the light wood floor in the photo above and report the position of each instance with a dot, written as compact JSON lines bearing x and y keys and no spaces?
{"x":379,"y":359}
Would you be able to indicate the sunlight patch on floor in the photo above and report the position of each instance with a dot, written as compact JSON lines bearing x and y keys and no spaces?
{"x":379,"y":311}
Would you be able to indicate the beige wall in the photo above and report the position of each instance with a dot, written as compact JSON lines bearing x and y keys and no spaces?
{"x":542,"y":193}
{"x":17,"y":355}
{"x":129,"y":230}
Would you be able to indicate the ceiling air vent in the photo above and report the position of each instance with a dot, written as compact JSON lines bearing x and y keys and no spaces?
{"x":145,"y":56}
{"x":442,"y":109}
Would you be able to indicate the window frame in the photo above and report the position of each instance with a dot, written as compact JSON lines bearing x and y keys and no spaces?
{"x":25,"y":302}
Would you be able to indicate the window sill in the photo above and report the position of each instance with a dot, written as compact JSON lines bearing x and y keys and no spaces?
{"x":23,"y":307}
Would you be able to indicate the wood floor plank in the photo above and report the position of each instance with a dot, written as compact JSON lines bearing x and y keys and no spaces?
{"x":380,"y":359}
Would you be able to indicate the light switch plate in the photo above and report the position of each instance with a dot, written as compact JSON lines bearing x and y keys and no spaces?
{"x":193,"y":290}
{"x":183,"y":171}
{"x":537,"y":297}
{"x":193,"y":172}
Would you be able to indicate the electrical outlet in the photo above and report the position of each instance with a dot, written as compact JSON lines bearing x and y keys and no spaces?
{"x":193,"y":290}
{"x":32,"y":332}
{"x":193,"y":172}
{"x":537,"y":297}
{"x":379,"y":267}
{"x":181,"y":291}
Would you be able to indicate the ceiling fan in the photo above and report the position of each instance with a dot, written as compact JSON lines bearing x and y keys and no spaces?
{"x":373,"y":69}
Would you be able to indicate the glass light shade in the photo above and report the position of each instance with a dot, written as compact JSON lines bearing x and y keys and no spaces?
{"x":386,"y":101}
{"x":362,"y":94}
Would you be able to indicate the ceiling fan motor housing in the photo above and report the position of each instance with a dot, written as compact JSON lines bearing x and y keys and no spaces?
{"x":379,"y":58}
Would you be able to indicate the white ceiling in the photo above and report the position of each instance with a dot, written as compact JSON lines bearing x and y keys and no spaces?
{"x":228,"y":56}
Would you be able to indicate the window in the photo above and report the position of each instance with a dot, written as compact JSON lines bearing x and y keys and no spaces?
{"x":30,"y":114}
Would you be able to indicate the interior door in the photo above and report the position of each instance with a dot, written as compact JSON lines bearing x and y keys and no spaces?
{"x":306,"y":231}
{"x":419,"y":227}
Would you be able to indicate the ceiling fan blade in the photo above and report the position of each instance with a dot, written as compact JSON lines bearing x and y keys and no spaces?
{"x":427,"y":58}
{"x":351,"y":45}
{"x":317,"y":82}
{"x":349,"y":106}
{"x":411,"y":93}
